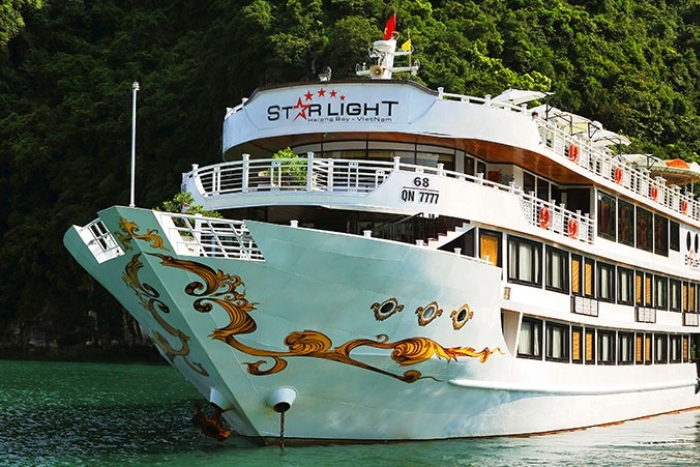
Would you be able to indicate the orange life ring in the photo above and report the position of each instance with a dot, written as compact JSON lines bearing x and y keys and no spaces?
{"x":572,"y":228}
{"x":654,"y":193}
{"x":573,"y":153}
{"x":544,"y":217}
{"x":684,"y":207}
{"x":618,"y":175}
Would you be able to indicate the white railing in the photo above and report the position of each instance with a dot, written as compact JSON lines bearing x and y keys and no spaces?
{"x":581,"y":151}
{"x":556,"y":218}
{"x":208,"y":237}
{"x":363,"y":176}
{"x":100,"y":241}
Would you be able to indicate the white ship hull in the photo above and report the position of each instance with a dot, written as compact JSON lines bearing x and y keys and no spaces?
{"x":346,"y":323}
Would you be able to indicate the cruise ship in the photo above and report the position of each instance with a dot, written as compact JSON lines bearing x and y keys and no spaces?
{"x":394,"y":262}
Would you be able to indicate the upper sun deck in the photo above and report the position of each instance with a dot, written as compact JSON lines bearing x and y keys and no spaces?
{"x":402,"y":112}
{"x":398,"y":111}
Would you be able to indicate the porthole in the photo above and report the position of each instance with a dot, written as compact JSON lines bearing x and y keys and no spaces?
{"x":427,"y":314}
{"x":385,"y":309}
{"x":461,"y":316}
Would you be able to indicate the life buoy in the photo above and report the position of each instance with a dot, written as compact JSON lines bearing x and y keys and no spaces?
{"x":618,"y":175}
{"x":654,"y":193}
{"x":572,"y":228}
{"x":544,"y":217}
{"x":684,"y":207}
{"x":573,"y":153}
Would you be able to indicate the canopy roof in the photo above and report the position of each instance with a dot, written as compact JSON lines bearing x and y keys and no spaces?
{"x":519,"y":96}
{"x":675,"y":171}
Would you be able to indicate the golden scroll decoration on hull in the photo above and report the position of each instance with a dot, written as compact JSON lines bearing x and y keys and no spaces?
{"x":150,"y":297}
{"x":130,"y":231}
{"x":220,"y":289}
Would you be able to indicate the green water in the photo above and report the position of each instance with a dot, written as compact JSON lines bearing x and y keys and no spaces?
{"x":86,"y":414}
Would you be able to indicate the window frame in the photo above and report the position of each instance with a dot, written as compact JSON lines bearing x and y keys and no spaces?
{"x":515,"y":245}
{"x":534,"y":351}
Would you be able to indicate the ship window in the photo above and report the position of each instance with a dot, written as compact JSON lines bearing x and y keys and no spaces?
{"x":530,"y":338}
{"x":639,"y":288}
{"x":625,"y":286}
{"x":557,"y":270}
{"x":557,"y":342}
{"x":543,"y":189}
{"x":648,"y":290}
{"x":689,"y":303}
{"x":590,"y":348}
{"x":576,"y":274}
{"x":577,"y":345}
{"x":686,"y":348}
{"x":645,"y":231}
{"x":588,"y":276}
{"x":524,"y":261}
{"x":639,"y":349}
{"x":674,"y":295}
{"x":490,"y":246}
{"x":528,"y":183}
{"x":626,"y":348}
{"x":606,"y":216}
{"x":467,"y":243}
{"x":647,"y":349}
{"x":469,"y":165}
{"x":660,"y":235}
{"x":661,"y":348}
{"x":625,"y":234}
{"x":606,"y":281}
{"x":675,"y":349}
{"x":674,"y":239}
{"x":481,"y":168}
{"x":606,"y":347}
{"x":660,"y":292}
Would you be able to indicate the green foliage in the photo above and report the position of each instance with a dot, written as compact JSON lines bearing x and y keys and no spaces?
{"x":66,"y":69}
{"x":183,"y":202}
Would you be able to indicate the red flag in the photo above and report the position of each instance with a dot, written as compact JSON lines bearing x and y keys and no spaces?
{"x":390,"y":27}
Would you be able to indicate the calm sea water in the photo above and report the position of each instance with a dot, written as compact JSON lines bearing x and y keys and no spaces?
{"x":86,"y":414}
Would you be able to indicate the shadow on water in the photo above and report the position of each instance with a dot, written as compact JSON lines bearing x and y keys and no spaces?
{"x":86,"y":414}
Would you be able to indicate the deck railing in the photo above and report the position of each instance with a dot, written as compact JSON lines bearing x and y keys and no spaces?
{"x":362,"y":176}
{"x":208,"y":237}
{"x":581,"y":151}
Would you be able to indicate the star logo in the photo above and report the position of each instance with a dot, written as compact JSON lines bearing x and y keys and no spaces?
{"x":302,"y":109}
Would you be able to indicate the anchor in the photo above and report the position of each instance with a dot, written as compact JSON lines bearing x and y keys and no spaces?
{"x":212,"y":427}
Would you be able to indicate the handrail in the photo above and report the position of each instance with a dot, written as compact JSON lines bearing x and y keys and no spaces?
{"x":209,"y":237}
{"x":583,"y":153}
{"x":361,"y":176}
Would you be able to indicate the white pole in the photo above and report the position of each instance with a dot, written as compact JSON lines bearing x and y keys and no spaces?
{"x":135,"y":88}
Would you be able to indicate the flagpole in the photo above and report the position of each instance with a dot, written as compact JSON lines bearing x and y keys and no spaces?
{"x":135,"y":89}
